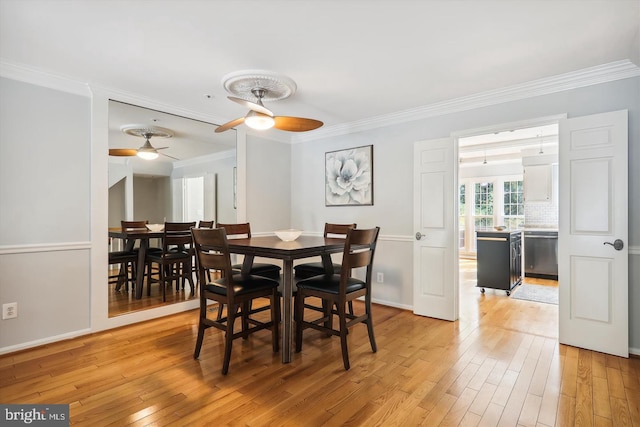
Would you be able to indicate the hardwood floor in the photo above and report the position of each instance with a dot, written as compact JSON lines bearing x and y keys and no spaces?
{"x":123,"y":301}
{"x":499,"y":365}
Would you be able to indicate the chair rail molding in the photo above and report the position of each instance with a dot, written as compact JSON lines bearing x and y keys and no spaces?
{"x":44,"y":247}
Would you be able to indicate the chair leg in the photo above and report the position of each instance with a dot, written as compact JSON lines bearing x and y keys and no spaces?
{"x":298,"y":316}
{"x":220,"y":308}
{"x":369,"y":322}
{"x":163,"y":284}
{"x":245,"y":319}
{"x":275,"y":319}
{"x":228,"y":340}
{"x":201,"y":328}
{"x":342,"y":314}
{"x":351,"y":308}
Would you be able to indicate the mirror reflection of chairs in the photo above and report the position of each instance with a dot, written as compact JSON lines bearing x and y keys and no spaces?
{"x":234,"y":290}
{"x":337,"y":290}
{"x":175,"y":261}
{"x":126,"y":258}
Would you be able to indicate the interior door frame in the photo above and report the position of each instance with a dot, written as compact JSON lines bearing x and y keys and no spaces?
{"x":533,"y":122}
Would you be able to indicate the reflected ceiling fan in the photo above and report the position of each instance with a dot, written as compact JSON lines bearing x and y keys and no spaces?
{"x":147,"y":151}
{"x":268,"y":86}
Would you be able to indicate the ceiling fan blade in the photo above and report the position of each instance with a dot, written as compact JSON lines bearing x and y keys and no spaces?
{"x":251,"y":105}
{"x":166,"y":155}
{"x":229,"y":125}
{"x":296,"y":124}
{"x":122,"y":151}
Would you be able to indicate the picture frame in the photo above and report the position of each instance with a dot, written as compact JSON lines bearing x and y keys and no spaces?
{"x":349,"y":177}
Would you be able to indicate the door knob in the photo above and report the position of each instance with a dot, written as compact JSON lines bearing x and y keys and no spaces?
{"x":419,"y":235}
{"x":617,"y":244}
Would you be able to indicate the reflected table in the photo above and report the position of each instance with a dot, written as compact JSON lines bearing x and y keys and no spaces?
{"x":130,"y":236}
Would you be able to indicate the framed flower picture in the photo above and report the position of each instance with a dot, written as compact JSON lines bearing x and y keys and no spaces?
{"x":349,"y":177}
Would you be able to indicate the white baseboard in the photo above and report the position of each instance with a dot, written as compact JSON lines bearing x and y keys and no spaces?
{"x":43,"y":341}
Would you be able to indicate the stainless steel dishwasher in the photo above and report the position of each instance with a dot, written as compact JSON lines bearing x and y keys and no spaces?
{"x":541,"y":254}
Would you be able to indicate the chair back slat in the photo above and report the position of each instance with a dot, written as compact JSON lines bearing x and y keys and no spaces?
{"x":177,"y":234}
{"x":212,"y":251}
{"x":337,"y":230}
{"x":133,"y":225}
{"x":237,"y":230}
{"x":359,"y":249}
{"x":205,"y":224}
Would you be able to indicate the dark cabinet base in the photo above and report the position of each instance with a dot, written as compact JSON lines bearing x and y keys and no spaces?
{"x":499,"y":257}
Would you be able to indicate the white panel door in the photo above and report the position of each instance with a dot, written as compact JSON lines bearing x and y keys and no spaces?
{"x":592,"y":273}
{"x":435,"y":284}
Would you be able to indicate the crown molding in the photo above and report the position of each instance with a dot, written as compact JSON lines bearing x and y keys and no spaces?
{"x":46,"y":79}
{"x":229,"y":154}
{"x":604,"y":73}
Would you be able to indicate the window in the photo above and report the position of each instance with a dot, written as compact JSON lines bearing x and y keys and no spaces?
{"x":513,"y":204}
{"x":483,"y":206}
{"x":484,"y":202}
{"x":461,"y":217}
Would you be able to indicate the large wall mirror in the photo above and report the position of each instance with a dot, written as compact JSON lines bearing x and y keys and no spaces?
{"x":192,"y":179}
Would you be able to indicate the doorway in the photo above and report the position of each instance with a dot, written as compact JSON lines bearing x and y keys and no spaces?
{"x":508,"y":180}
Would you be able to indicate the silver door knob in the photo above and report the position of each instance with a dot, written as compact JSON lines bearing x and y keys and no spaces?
{"x":617,"y":244}
{"x":419,"y":235}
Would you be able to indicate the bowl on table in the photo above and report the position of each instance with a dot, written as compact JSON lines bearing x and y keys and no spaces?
{"x":288,"y":235}
{"x":500,"y":227}
{"x":155,"y":227}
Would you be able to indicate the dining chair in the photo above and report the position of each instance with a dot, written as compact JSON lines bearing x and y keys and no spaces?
{"x":175,"y":260}
{"x":126,"y":261}
{"x":201,"y":224}
{"x":234,"y":290}
{"x":310,"y":269}
{"x":338,"y":289}
{"x":243,"y":230}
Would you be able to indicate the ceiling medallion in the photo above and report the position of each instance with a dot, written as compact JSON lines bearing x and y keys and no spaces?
{"x":241,"y":83}
{"x":146,"y":131}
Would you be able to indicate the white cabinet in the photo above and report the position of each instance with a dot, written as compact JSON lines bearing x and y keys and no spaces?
{"x":537,"y":183}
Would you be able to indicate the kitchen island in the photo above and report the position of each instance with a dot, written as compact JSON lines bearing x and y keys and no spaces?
{"x":499,"y":255}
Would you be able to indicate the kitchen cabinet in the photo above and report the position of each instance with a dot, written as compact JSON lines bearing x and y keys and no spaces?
{"x":499,"y":255}
{"x":538,"y":183}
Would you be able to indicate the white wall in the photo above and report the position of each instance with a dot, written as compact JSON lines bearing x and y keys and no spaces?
{"x":393,"y":178}
{"x":45,"y":148}
{"x":268,"y":185}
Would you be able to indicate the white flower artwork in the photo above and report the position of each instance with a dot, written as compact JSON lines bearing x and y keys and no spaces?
{"x":349,"y":177}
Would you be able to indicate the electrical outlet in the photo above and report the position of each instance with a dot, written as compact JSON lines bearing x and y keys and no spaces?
{"x":9,"y":310}
{"x":380,"y":278}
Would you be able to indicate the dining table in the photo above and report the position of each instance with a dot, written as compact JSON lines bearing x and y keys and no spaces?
{"x":287,"y":251}
{"x":130,"y":237}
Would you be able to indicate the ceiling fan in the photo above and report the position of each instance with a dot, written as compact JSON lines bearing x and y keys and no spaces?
{"x":260,"y":117}
{"x":147,"y":151}
{"x":267,"y":86}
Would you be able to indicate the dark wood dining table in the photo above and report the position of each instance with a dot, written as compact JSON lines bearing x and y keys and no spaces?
{"x":130,"y":236}
{"x":273,"y":247}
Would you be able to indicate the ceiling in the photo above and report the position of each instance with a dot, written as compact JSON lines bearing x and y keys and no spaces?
{"x":352,"y":60}
{"x":191,"y":138}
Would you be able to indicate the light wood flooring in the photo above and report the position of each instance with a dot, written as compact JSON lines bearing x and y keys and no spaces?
{"x":499,"y":365}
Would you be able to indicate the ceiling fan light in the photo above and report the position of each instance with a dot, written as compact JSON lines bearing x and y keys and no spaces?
{"x":259,"y":121}
{"x":148,"y":155}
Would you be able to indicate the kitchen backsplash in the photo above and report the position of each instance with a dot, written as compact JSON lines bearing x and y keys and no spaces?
{"x":543,"y":215}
